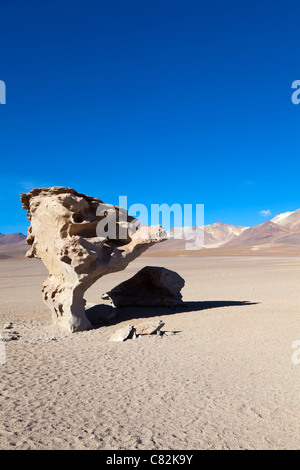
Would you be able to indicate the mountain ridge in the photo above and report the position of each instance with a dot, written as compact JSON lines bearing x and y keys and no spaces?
{"x":281,"y":233}
{"x":11,"y":238}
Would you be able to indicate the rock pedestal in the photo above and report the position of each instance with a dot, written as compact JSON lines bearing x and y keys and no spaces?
{"x":63,"y":234}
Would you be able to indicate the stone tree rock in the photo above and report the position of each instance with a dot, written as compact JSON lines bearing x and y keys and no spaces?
{"x":151,"y":286}
{"x":63,"y":234}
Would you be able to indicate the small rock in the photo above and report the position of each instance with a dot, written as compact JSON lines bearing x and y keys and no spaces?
{"x":122,"y":334}
{"x":8,"y":325}
{"x":51,"y":338}
{"x":149,"y":327}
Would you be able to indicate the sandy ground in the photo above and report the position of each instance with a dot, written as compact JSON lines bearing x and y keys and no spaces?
{"x":225,"y":380}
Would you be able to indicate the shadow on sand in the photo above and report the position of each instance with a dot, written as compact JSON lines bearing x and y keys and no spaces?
{"x":102,"y":314}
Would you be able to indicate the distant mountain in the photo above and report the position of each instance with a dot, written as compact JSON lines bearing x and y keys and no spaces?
{"x":223,"y":233}
{"x":293,"y":239}
{"x":13,"y":250}
{"x":208,"y":236}
{"x":11,"y":238}
{"x":290,"y":220}
{"x":267,"y":232}
{"x":196,"y":234}
{"x":279,"y":235}
{"x":281,"y":217}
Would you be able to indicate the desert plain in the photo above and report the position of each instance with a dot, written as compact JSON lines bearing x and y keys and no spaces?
{"x":224,"y":380}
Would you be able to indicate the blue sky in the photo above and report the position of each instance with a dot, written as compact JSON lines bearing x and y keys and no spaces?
{"x":165,"y":101}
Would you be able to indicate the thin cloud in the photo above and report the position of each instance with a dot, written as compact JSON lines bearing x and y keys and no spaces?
{"x":265,"y":213}
{"x":247,"y":185}
{"x":29,"y":185}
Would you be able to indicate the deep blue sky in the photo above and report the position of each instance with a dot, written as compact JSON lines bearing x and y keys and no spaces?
{"x":165,"y":101}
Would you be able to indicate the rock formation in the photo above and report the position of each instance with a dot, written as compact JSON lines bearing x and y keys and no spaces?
{"x":151,"y":286}
{"x":63,"y":234}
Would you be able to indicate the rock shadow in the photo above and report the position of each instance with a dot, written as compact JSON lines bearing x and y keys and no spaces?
{"x":102,"y":314}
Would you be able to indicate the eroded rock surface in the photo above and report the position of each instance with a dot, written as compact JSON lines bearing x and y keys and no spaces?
{"x":151,"y":286}
{"x":63,"y":234}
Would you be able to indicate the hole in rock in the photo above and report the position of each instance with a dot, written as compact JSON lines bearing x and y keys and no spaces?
{"x":86,"y":230}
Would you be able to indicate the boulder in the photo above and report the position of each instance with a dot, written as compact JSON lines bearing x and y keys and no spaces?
{"x":152,"y":286}
{"x":63,"y":234}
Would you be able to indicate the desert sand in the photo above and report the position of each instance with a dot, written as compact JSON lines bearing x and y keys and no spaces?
{"x":225,"y":380}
